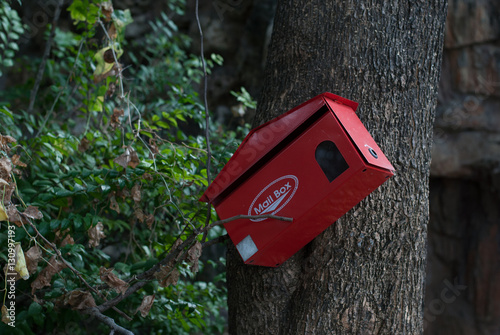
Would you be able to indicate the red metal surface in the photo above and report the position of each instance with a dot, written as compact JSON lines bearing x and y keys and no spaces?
{"x":276,"y":171}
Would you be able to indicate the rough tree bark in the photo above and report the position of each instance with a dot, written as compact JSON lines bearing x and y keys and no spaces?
{"x":365,"y":274}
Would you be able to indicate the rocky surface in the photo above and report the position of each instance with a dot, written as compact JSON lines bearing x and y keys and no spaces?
{"x":463,"y":277}
{"x":468,"y":114}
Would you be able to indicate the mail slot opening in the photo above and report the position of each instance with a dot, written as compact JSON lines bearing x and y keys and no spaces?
{"x":330,"y":160}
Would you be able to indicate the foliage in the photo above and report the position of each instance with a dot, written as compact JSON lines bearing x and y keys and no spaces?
{"x":11,"y":30}
{"x":245,"y":98}
{"x":101,"y":181}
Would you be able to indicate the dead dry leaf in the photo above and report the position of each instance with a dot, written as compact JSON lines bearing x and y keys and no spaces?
{"x":9,"y":190}
{"x":134,"y":159}
{"x":193,"y":256}
{"x":68,"y":239}
{"x":112,"y":280}
{"x":21,"y":268}
{"x":78,"y":299}
{"x":154,"y":148}
{"x":136,"y":193}
{"x":146,"y":304}
{"x":16,"y":160}
{"x":32,"y":212}
{"x":167,"y":276}
{"x":150,"y":219}
{"x":45,"y":276}
{"x":5,"y":169}
{"x":83,"y":145}
{"x":5,"y":315}
{"x":6,"y":139}
{"x":112,"y":31}
{"x":96,"y":233}
{"x":14,"y":215}
{"x":123,"y":159}
{"x":113,"y":204}
{"x":111,"y":90}
{"x":176,"y":244}
{"x":107,"y":9}
{"x":139,"y":214}
{"x":124,"y":193}
{"x":32,"y":256}
{"x":115,"y":118}
{"x":128,"y":159}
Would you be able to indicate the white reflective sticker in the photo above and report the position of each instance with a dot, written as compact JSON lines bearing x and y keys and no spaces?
{"x":247,"y":248}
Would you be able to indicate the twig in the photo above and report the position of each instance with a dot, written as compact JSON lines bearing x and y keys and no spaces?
{"x":49,"y":113}
{"x":218,"y":240}
{"x":148,"y":275}
{"x":207,"y":117}
{"x":75,"y":271}
{"x":46,"y":53}
{"x":248,"y":217}
{"x":132,"y":289}
{"x":108,"y":321}
{"x":115,"y":58}
{"x":173,"y":255}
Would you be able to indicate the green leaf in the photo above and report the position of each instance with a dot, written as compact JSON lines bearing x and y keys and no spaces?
{"x":54,"y":224}
{"x":13,"y":45}
{"x":7,"y":112}
{"x":35,"y":311}
{"x":3,"y":37}
{"x":35,"y":308}
{"x":96,"y":105}
{"x":64,"y":193}
{"x":8,"y":62}
{"x":83,"y":11}
{"x":144,"y":265}
{"x":121,"y":18}
{"x":163,"y":124}
{"x":65,"y":224}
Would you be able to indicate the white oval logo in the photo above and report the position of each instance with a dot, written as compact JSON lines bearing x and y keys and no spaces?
{"x":274,"y":196}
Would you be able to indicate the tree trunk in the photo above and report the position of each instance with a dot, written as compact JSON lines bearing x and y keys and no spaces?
{"x":365,"y":273}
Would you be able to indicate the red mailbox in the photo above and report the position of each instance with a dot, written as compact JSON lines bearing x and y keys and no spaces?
{"x":313,"y":164}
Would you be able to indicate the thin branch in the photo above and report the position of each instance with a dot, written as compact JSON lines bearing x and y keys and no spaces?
{"x":218,"y":240}
{"x":49,"y":113}
{"x":46,"y":53}
{"x":115,"y":58}
{"x":75,"y":271}
{"x":145,"y":277}
{"x":108,"y":321}
{"x":247,"y":217}
{"x":207,"y":117}
{"x":173,"y":255}
{"x":113,"y":302}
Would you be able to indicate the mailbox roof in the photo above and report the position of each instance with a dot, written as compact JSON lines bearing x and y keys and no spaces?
{"x":263,"y":139}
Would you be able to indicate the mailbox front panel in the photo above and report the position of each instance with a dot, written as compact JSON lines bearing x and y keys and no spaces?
{"x":317,"y":219}
{"x":290,"y":184}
